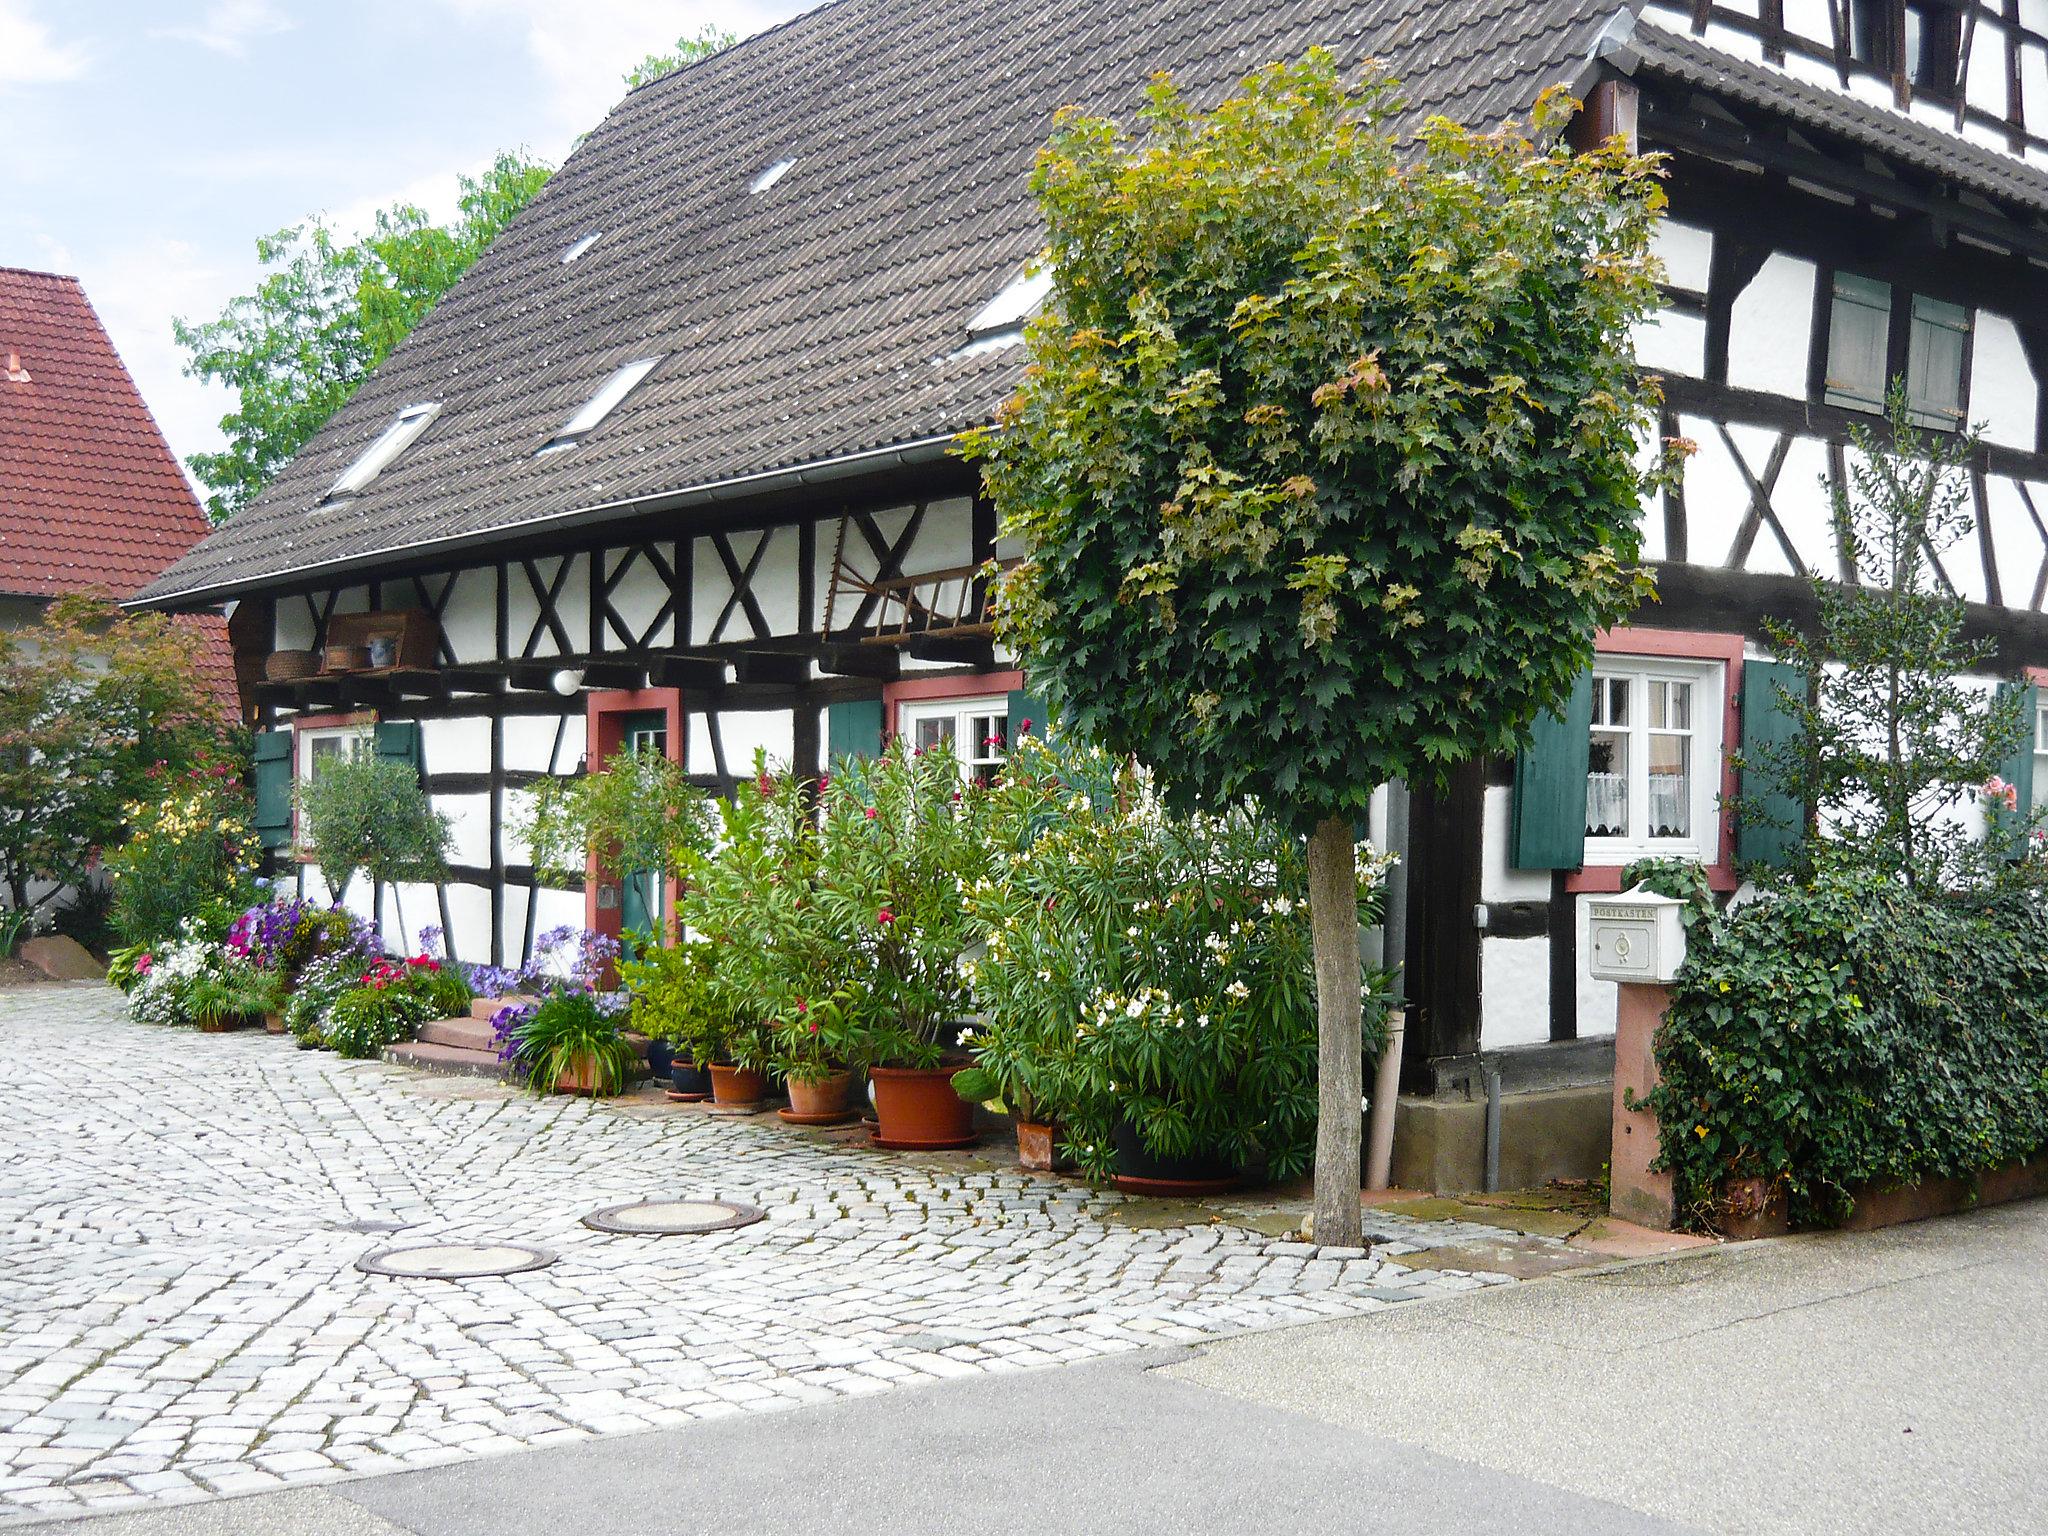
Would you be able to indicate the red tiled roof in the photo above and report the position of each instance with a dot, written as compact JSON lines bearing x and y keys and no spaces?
{"x":91,"y":498}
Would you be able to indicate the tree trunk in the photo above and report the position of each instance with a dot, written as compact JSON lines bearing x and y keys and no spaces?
{"x":1340,"y":1012}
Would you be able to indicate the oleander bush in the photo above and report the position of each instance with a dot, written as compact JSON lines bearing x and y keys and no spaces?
{"x":1852,"y":1031}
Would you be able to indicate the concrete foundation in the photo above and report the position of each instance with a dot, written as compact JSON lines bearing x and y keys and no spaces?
{"x":1545,"y":1134}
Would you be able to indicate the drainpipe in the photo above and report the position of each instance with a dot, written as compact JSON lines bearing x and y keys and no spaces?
{"x":1386,"y":1085}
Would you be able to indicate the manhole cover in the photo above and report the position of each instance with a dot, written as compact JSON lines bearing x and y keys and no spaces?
{"x":666,"y":1218}
{"x":371,"y":1225}
{"x":455,"y":1261}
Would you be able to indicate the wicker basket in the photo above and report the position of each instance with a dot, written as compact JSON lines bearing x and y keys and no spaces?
{"x":290,"y":666}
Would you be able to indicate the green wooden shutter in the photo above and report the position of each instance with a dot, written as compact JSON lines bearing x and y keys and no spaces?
{"x":1549,"y":820}
{"x":398,"y":741}
{"x":1028,"y":716}
{"x":272,"y":762}
{"x":2018,"y":769}
{"x":1765,"y":722}
{"x":853,"y":728}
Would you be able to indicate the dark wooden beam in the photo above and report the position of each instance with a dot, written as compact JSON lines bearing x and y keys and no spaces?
{"x":980,"y":654}
{"x":753,"y":667}
{"x":696,"y":672}
{"x":860,"y":661}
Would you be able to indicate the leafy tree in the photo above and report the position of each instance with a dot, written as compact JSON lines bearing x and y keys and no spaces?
{"x":1888,"y":739}
{"x":1326,"y":463}
{"x":688,"y":50}
{"x":92,"y":702}
{"x":369,"y":816}
{"x":329,"y":311}
{"x":636,"y":813}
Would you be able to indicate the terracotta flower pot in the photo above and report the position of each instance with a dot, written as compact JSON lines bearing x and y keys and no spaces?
{"x":1037,"y":1147}
{"x":581,"y":1077}
{"x":738,"y":1087}
{"x":918,"y":1109}
{"x":818,"y":1103}
{"x":274,"y":1023}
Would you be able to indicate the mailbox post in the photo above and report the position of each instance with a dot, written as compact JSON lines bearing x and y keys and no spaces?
{"x":1637,"y":941}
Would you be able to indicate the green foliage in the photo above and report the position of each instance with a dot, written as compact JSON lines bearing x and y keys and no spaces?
{"x":190,"y":854}
{"x":566,"y":1034}
{"x":1888,"y":738}
{"x":689,"y":48}
{"x":326,"y":313}
{"x":1146,"y":967}
{"x":638,"y":812}
{"x":94,"y":703}
{"x":1326,"y":462}
{"x":370,"y":816}
{"x":673,"y":998}
{"x":15,"y":922}
{"x":121,"y":966}
{"x":1855,"y":1031}
{"x":319,"y":986}
{"x":365,"y":1019}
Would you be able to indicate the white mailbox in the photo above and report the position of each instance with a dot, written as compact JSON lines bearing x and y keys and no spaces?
{"x":1636,"y":936}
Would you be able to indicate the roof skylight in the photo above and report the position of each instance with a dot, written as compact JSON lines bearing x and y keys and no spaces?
{"x":768,"y":177}
{"x":387,"y":445}
{"x":1015,"y":304}
{"x":581,"y":246}
{"x":603,"y":403}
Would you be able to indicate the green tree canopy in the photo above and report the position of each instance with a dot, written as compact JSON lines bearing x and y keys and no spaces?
{"x":689,"y":48}
{"x":1326,"y":464}
{"x":327,"y":312}
{"x":93,"y":704}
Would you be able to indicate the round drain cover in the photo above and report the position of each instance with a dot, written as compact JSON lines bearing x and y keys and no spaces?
{"x":667,"y":1218}
{"x":455,"y":1261}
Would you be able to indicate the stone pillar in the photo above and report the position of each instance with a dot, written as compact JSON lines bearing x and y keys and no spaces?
{"x":1636,"y":1194}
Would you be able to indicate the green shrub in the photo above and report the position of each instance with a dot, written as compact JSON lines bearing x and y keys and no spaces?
{"x":371,"y":817}
{"x":191,"y":853}
{"x":673,"y":997}
{"x":568,"y":1030}
{"x":365,"y":1019}
{"x":1850,"y":1033}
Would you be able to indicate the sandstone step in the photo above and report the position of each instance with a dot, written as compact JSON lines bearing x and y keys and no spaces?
{"x":470,"y":1034}
{"x":484,"y":1007}
{"x":455,"y":1059}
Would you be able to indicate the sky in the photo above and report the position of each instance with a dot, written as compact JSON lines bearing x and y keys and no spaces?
{"x":146,"y":144}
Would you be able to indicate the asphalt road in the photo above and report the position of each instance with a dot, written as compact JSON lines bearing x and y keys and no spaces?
{"x":1894,"y":1382}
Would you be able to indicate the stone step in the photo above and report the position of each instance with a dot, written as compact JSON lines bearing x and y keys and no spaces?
{"x":484,"y":1007}
{"x":470,"y":1034}
{"x":455,"y":1059}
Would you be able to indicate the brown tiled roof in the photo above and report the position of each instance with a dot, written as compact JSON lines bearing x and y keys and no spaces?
{"x":91,"y":499}
{"x":819,"y":319}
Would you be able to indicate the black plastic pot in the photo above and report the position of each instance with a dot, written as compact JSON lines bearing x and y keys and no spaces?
{"x":687,"y":1077}
{"x":1141,"y":1170}
{"x":661,"y":1056}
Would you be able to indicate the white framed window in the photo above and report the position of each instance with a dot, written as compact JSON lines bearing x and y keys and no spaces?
{"x":976,"y":731}
{"x":320,"y":747}
{"x":1653,"y":771}
{"x":621,"y":383}
{"x":385,"y":447}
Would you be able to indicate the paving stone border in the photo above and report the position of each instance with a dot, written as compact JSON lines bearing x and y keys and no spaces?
{"x":181,"y":1315}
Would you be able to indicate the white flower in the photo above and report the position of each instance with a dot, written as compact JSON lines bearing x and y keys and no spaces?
{"x":1282,"y":906}
{"x":1237,"y":990}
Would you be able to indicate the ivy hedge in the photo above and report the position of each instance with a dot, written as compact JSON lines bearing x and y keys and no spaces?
{"x":1853,"y":1032}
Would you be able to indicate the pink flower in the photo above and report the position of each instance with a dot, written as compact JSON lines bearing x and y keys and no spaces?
{"x":142,"y":964}
{"x":1023,"y":726}
{"x":802,"y":1006}
{"x":814,"y":1026}
{"x":870,"y":813}
{"x":885,"y":917}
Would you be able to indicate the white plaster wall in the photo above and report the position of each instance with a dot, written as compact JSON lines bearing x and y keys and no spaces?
{"x":2003,"y":392}
{"x":1806,"y":18}
{"x":1514,"y":992}
{"x":1716,"y":495}
{"x":1687,"y":251}
{"x":553,"y":909}
{"x":572,"y":605}
{"x":710,"y":586}
{"x":1596,"y":998}
{"x":460,"y":745}
{"x":1498,"y":881}
{"x":775,"y":584}
{"x":469,"y":924}
{"x":406,"y":909}
{"x":769,"y":730}
{"x":292,"y":624}
{"x":638,"y":597}
{"x":1984,"y":77}
{"x":1801,"y":502}
{"x":512,"y":929}
{"x":2017,"y":542}
{"x":946,"y":539}
{"x":469,"y":827}
{"x":1769,"y":326}
{"x":352,"y":600}
{"x":1673,"y":342}
{"x":470,"y":624}
{"x":513,"y":845}
{"x":530,"y":743}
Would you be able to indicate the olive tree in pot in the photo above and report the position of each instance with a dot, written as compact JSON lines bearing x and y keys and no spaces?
{"x":370,"y":816}
{"x":1326,"y":466}
{"x":901,"y":838}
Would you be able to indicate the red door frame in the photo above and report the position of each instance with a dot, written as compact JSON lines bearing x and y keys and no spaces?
{"x":605,"y":712}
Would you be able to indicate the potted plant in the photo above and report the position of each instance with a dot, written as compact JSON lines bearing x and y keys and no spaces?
{"x":567,"y":1042}
{"x":901,"y":837}
{"x":671,"y":1002}
{"x":1148,"y":979}
{"x":816,"y":1042}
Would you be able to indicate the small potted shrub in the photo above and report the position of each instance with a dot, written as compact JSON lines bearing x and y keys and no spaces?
{"x":671,"y":1004}
{"x":901,"y":838}
{"x":815,"y":1040}
{"x":567,"y":1042}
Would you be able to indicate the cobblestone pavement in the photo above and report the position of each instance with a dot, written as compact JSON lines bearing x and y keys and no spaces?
{"x":180,"y":1316}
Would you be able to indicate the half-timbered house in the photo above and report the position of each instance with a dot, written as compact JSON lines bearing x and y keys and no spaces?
{"x":673,"y":465}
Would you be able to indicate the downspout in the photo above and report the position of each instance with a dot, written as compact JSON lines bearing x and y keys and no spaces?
{"x":1386,"y":1086}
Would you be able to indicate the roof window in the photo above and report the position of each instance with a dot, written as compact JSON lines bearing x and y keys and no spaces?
{"x":387,"y":445}
{"x":602,"y":404}
{"x":581,"y":246}
{"x":767,"y":178}
{"x":1015,"y":304}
